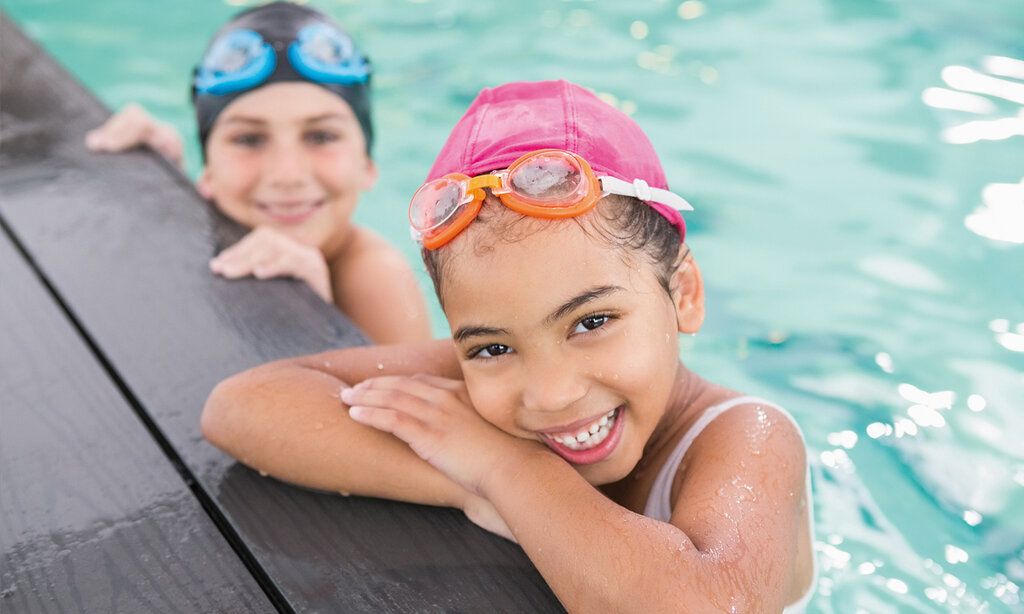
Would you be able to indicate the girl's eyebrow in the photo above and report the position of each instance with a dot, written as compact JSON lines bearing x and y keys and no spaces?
{"x":466,"y":332}
{"x":581,"y":299}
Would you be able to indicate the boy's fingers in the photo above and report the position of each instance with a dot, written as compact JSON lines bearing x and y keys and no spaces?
{"x":279,"y":266}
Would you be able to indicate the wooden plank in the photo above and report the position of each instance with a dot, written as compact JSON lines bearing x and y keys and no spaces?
{"x":125,"y":241}
{"x":93,"y":517}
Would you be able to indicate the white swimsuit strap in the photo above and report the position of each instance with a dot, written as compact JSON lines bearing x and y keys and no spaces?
{"x":659,"y":501}
{"x":659,"y":504}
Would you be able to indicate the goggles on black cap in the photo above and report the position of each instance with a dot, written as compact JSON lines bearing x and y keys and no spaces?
{"x":280,"y":42}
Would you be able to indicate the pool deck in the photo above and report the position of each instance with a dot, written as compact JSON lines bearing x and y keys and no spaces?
{"x":113,"y":334}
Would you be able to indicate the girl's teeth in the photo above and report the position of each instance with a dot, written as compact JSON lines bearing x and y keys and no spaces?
{"x":591,"y":437}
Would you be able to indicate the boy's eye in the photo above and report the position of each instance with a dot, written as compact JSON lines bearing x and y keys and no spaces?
{"x":248,"y":139}
{"x":590,"y":323}
{"x":320,"y":137}
{"x":490,"y":351}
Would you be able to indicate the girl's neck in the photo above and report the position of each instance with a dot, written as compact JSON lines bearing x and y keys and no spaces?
{"x":682,"y":402}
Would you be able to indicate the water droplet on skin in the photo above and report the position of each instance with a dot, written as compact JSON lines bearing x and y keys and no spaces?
{"x":344,"y":493}
{"x":380,"y":366}
{"x":263,"y":473}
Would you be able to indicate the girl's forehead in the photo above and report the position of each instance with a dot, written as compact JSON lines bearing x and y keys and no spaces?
{"x":523,"y":278}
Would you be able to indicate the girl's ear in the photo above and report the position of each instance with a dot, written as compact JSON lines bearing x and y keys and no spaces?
{"x":204,"y":185}
{"x":370,"y":179}
{"x":688,"y":293}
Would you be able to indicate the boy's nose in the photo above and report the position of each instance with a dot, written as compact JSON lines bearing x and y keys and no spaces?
{"x":287,"y":167}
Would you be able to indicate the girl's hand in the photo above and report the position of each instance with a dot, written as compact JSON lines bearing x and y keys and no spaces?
{"x":435,"y":417}
{"x":132,"y":127}
{"x":482,"y":514}
{"x":265,"y":253}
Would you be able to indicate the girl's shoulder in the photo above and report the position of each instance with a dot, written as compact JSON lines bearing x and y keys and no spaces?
{"x":731,"y":430}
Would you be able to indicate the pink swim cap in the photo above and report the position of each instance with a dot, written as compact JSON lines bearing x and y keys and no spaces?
{"x":510,"y":120}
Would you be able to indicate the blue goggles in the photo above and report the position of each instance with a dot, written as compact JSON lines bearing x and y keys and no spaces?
{"x":242,"y":60}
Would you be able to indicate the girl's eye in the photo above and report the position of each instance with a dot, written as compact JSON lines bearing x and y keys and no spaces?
{"x":590,"y":323}
{"x":320,"y":137}
{"x":490,"y":351}
{"x":249,"y":140}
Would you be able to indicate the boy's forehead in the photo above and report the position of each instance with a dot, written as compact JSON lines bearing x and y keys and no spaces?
{"x":287,"y":102}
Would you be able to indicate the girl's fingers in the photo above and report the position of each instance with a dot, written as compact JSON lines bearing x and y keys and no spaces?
{"x":454,"y":385}
{"x":401,"y":425}
{"x":394,"y":399}
{"x":435,"y":396}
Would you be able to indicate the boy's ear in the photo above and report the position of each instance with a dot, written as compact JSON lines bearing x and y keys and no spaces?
{"x":688,"y":293}
{"x":372,"y":173}
{"x":204,"y":185}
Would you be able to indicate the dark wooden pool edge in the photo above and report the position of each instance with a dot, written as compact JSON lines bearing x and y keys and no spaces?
{"x":354,"y":553}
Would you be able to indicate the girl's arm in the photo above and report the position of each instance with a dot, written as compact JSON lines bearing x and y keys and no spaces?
{"x":731,"y":544}
{"x":286,"y":419}
{"x":732,"y":540}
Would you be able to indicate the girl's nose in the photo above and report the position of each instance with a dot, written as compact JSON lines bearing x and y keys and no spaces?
{"x":553,"y":388}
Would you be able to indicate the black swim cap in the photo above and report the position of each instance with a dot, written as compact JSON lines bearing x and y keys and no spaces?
{"x":279,"y":23}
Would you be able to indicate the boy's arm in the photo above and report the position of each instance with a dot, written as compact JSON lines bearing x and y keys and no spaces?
{"x":286,"y":419}
{"x":375,"y":286}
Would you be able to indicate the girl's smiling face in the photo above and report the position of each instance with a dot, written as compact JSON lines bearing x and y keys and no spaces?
{"x":568,"y":340}
{"x":292,"y":156}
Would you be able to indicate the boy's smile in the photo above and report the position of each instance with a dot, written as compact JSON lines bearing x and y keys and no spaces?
{"x":565,"y":340}
{"x":292,"y":156}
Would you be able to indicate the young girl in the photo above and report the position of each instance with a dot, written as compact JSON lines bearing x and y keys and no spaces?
{"x":282,"y":103}
{"x":560,"y":414}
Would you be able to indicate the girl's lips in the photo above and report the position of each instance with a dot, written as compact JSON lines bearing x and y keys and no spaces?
{"x":290,"y":213}
{"x":595,"y":454}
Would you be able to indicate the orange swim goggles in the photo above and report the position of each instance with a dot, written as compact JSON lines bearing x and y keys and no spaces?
{"x":548,"y":183}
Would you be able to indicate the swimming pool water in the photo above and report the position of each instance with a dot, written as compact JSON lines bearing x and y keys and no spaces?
{"x":856,"y":166}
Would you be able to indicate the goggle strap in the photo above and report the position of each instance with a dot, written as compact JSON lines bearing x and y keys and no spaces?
{"x":639,"y":189}
{"x":492,"y":181}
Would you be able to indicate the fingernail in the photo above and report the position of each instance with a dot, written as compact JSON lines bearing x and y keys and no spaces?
{"x":347,"y":394}
{"x":356,"y":412}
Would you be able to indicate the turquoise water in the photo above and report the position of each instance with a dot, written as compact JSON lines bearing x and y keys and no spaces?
{"x":863,"y":245}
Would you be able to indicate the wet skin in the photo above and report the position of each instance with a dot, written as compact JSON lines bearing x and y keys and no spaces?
{"x":290,"y":156}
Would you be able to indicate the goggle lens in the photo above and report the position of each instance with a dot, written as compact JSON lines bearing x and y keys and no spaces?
{"x":548,"y":178}
{"x":435,"y":203}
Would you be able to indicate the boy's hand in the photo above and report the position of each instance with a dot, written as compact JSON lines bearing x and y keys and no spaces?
{"x":435,"y":417}
{"x":132,"y":127}
{"x":265,"y":253}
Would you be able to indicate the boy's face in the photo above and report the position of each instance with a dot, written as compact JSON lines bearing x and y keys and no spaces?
{"x":291,"y":156}
{"x":558,"y":329}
